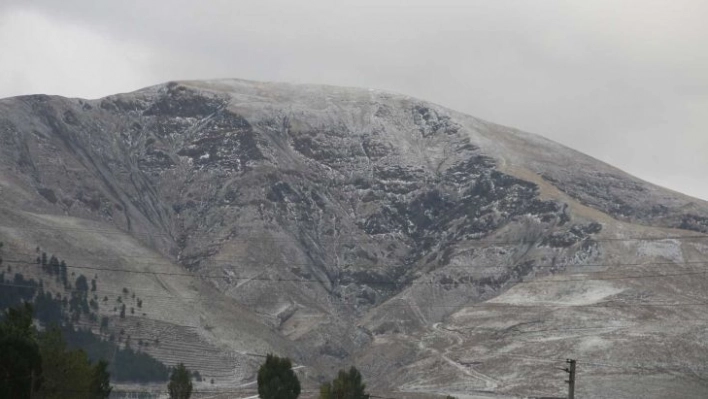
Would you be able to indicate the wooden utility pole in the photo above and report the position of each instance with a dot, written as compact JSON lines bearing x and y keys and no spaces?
{"x":571,"y":378}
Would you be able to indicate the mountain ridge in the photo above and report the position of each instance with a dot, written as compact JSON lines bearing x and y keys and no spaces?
{"x":384,"y":220}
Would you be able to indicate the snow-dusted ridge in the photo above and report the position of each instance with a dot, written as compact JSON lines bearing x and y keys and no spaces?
{"x":439,"y":252}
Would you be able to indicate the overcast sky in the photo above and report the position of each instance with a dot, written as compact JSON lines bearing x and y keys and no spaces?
{"x":624,"y":81}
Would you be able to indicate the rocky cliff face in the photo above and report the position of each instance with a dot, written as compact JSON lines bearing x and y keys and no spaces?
{"x":354,"y":225}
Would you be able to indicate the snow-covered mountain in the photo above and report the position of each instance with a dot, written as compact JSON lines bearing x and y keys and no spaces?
{"x":438,"y":252}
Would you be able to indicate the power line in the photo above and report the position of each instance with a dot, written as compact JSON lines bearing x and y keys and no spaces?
{"x":384,"y":282}
{"x":657,"y":367}
{"x":453,"y":266}
{"x":166,"y":260}
{"x":501,"y":305}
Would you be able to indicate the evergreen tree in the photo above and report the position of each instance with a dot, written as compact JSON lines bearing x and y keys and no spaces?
{"x":130,"y":365}
{"x":180,"y":386}
{"x":20,"y":362}
{"x":100,"y":381}
{"x":81,"y":283}
{"x":69,"y":373}
{"x":47,"y":308}
{"x":18,"y":321}
{"x":40,"y":364}
{"x":347,"y":385}
{"x":63,"y":273}
{"x":277,"y":380}
{"x":66,"y":373}
{"x":54,"y":265}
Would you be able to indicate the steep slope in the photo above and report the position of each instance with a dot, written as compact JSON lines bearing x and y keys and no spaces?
{"x":357,"y":225}
{"x":180,"y":317}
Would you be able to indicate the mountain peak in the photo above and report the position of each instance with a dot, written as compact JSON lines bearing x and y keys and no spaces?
{"x":348,"y":225}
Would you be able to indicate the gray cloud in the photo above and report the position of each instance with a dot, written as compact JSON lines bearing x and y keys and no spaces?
{"x":625,"y":81}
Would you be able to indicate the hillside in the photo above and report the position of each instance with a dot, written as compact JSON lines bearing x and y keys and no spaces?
{"x":438,"y":252}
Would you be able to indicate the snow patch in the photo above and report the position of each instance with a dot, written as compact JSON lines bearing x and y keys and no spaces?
{"x":667,"y":249}
{"x":594,"y":343}
{"x":571,"y":294}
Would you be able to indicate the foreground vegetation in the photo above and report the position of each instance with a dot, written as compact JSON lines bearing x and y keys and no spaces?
{"x":78,"y":304}
{"x":38,"y":364}
{"x":277,"y":380}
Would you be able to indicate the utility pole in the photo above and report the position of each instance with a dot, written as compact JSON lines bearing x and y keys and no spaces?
{"x":571,"y":378}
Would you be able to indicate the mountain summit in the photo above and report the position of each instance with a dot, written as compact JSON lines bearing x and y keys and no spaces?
{"x":437,"y":252}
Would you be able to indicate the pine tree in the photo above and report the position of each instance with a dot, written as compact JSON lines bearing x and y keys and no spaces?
{"x":277,"y":380}
{"x":63,"y":370}
{"x":347,"y":385}
{"x":81,"y":283}
{"x":104,"y":323}
{"x":21,"y":361}
{"x":53,"y":265}
{"x":100,"y":381}
{"x":39,"y":364}
{"x":180,"y":385}
{"x":63,"y":273}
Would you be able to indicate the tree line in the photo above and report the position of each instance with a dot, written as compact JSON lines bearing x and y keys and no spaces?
{"x":63,"y":312}
{"x":38,"y":364}
{"x":277,"y":380}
